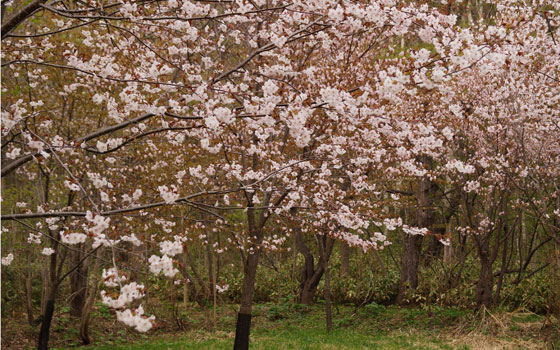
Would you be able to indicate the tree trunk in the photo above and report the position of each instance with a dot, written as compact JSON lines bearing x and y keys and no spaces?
{"x":410,"y":262}
{"x":325,"y":249}
{"x":88,"y":302}
{"x":28,"y":293}
{"x":310,"y":276}
{"x":413,"y":243}
{"x":78,"y":284}
{"x":328,"y":307}
{"x":46,"y":325}
{"x":448,"y":249}
{"x":243,"y":326}
{"x":485,"y":280}
{"x":43,"y":342}
{"x":190,"y":281}
{"x":503,"y":269}
{"x":435,"y":248}
{"x":251,"y":263}
{"x":344,"y":259}
{"x":555,"y":279}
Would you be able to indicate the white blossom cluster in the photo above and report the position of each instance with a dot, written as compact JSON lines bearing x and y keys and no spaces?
{"x":73,"y":238}
{"x":132,"y":239}
{"x":135,"y":318}
{"x":222,"y":288}
{"x":72,"y":186}
{"x":163,"y":264}
{"x":7,"y":260}
{"x":47,"y":251}
{"x":111,"y":277}
{"x":460,"y":167}
{"x":128,"y":293}
{"x":415,"y":230}
{"x":34,"y":238}
{"x":168,"y":195}
{"x":98,"y":181}
{"x":171,"y":248}
{"x":99,"y":222}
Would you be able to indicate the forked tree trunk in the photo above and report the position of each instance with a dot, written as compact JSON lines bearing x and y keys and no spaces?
{"x":310,"y":276}
{"x":503,"y":269}
{"x":485,"y":280}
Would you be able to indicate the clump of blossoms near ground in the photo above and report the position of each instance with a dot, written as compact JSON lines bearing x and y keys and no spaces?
{"x":147,"y":124}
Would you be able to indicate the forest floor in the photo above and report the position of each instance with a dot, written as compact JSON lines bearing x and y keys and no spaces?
{"x":291,"y":326}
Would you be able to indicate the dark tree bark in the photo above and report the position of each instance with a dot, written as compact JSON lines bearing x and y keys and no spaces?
{"x":555,"y":278}
{"x":413,"y":243}
{"x":196,"y":295}
{"x":310,"y":275}
{"x":434,"y":250}
{"x":27,"y":293}
{"x":243,"y":328}
{"x":255,"y":224}
{"x":88,"y":302}
{"x":506,"y":258}
{"x":78,"y":284}
{"x":43,"y":342}
{"x":409,"y":269}
{"x":326,"y":245}
{"x":486,"y":279}
{"x":344,"y":259}
{"x":46,"y":325}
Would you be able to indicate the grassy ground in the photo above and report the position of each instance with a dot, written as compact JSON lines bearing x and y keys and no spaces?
{"x":289,"y":326}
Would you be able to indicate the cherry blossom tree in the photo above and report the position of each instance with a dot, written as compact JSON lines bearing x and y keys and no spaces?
{"x":286,"y":113}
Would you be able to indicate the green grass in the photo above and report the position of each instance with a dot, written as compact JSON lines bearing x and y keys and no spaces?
{"x":287,"y":326}
{"x":294,"y":338}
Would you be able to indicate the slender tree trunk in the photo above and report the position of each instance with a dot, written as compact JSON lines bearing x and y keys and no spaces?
{"x":89,"y":301}
{"x":190,"y":281}
{"x":328,"y":307}
{"x":203,"y":286}
{"x":325,"y":250}
{"x":243,"y":326}
{"x":185,"y":295}
{"x":448,"y":249}
{"x":344,"y":259}
{"x":44,"y":332}
{"x":78,"y":284}
{"x":435,"y":248}
{"x":215,"y":298}
{"x":28,"y":293}
{"x":210,"y":261}
{"x":46,"y":324}
{"x":555,"y":278}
